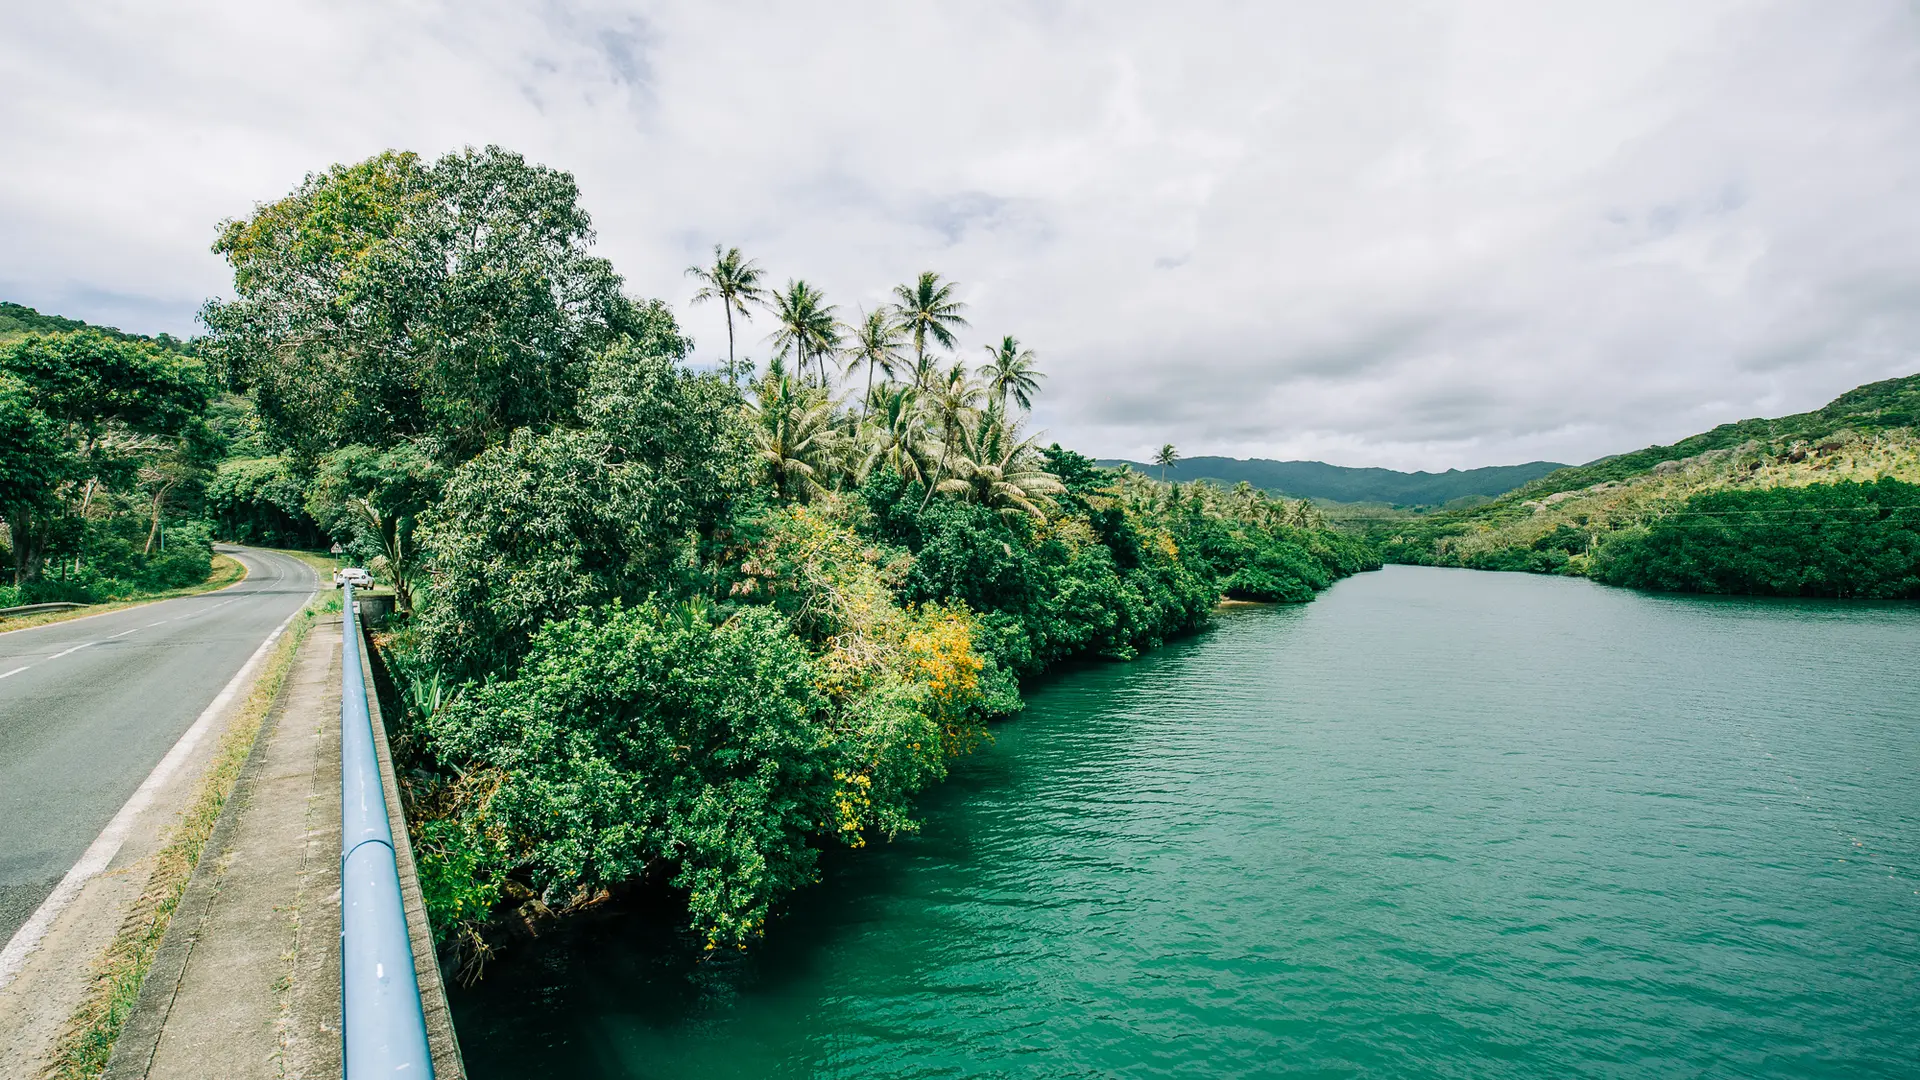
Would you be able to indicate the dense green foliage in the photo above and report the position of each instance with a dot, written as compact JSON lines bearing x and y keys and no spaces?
{"x":103,"y":442}
{"x":632,"y":739}
{"x":1838,"y":540}
{"x":1339,"y":483}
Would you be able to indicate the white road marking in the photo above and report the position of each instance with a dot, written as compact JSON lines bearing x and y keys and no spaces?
{"x":16,"y":671}
{"x":75,"y":649}
{"x":104,"y":847}
{"x":124,"y":633}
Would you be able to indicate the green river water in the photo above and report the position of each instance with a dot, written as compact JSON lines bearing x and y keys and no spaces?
{"x":1437,"y":823}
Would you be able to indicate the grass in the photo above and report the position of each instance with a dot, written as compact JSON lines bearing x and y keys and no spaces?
{"x":226,"y":571}
{"x":87,"y":1044}
{"x":322,"y":563}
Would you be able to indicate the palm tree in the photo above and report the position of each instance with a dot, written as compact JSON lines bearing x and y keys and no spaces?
{"x":807,"y":325}
{"x":1010,"y":372}
{"x":997,"y":468}
{"x":794,"y":434}
{"x":894,"y":435}
{"x":1164,"y":458}
{"x":1245,"y":499}
{"x":928,"y":310}
{"x":735,"y":282}
{"x":950,"y":404}
{"x":877,"y":338}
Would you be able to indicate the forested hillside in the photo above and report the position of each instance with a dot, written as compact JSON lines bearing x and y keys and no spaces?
{"x":1814,"y":504}
{"x":659,"y":628}
{"x":107,"y":440}
{"x":18,"y":320}
{"x":1337,"y":483}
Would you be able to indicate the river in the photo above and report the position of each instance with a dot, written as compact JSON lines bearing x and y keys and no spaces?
{"x":1439,"y":823}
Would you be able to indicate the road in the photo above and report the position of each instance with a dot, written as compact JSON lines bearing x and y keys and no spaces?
{"x":88,"y":707}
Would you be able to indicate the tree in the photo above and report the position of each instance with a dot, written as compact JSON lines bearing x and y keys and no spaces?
{"x":444,"y":304}
{"x":877,"y":339}
{"x":1010,"y":372}
{"x":93,"y":410}
{"x":894,"y":435}
{"x":735,"y":282}
{"x":373,"y":499}
{"x":622,"y":508}
{"x":951,"y":404}
{"x":928,"y":310}
{"x":807,"y":326}
{"x":794,"y":434}
{"x":1165,"y":457}
{"x":636,"y":738}
{"x":999,"y":469}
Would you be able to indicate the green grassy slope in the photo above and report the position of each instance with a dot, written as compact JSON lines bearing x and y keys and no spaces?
{"x":1558,"y":522}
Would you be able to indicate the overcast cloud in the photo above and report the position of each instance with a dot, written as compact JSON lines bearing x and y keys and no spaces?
{"x":1417,"y":235}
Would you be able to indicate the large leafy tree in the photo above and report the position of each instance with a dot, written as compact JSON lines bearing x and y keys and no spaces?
{"x":930,"y":312}
{"x":89,"y":413}
{"x":734,"y":281}
{"x":395,"y":300}
{"x":623,"y":507}
{"x":373,"y":499}
{"x":635,"y":738}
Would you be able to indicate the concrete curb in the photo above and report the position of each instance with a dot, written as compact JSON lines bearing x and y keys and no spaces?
{"x":139,"y":1039}
{"x":447,"y":1064}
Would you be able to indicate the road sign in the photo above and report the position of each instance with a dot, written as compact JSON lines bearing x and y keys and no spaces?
{"x":336,"y":548}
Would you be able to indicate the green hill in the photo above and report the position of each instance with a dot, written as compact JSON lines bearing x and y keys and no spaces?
{"x":1731,"y":504}
{"x":19,"y":320}
{"x":1337,"y":483}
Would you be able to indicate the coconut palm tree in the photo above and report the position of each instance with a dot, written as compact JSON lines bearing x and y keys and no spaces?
{"x":1010,"y":372}
{"x":877,"y":339}
{"x":1165,"y":457}
{"x":735,"y":282}
{"x":794,"y":433}
{"x":998,"y":468}
{"x":894,"y":435}
{"x":950,"y":404}
{"x":928,"y":310}
{"x":807,"y":325}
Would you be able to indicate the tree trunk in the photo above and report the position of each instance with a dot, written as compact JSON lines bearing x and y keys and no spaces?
{"x":733,"y":371}
{"x":159,"y":503}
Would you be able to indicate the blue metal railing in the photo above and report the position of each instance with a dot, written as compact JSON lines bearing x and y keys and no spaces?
{"x":383,"y":1031}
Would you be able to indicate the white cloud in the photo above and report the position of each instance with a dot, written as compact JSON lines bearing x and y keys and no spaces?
{"x":1417,"y":235}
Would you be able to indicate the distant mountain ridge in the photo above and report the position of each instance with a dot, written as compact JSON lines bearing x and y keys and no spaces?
{"x":19,"y":320}
{"x":1339,"y":483}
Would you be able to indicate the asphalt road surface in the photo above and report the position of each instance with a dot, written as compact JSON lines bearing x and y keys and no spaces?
{"x":88,"y":707}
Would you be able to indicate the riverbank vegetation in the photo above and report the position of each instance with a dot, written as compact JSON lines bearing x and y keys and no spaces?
{"x":1815,"y":504}
{"x":670,"y":628}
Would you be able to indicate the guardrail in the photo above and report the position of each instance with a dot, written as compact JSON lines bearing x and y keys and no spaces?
{"x":28,"y":609}
{"x":383,"y":1030}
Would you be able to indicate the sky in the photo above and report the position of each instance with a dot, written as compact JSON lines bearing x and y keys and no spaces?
{"x":1397,"y":233}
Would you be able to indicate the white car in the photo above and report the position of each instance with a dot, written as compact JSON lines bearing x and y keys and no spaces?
{"x":354,"y":576}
